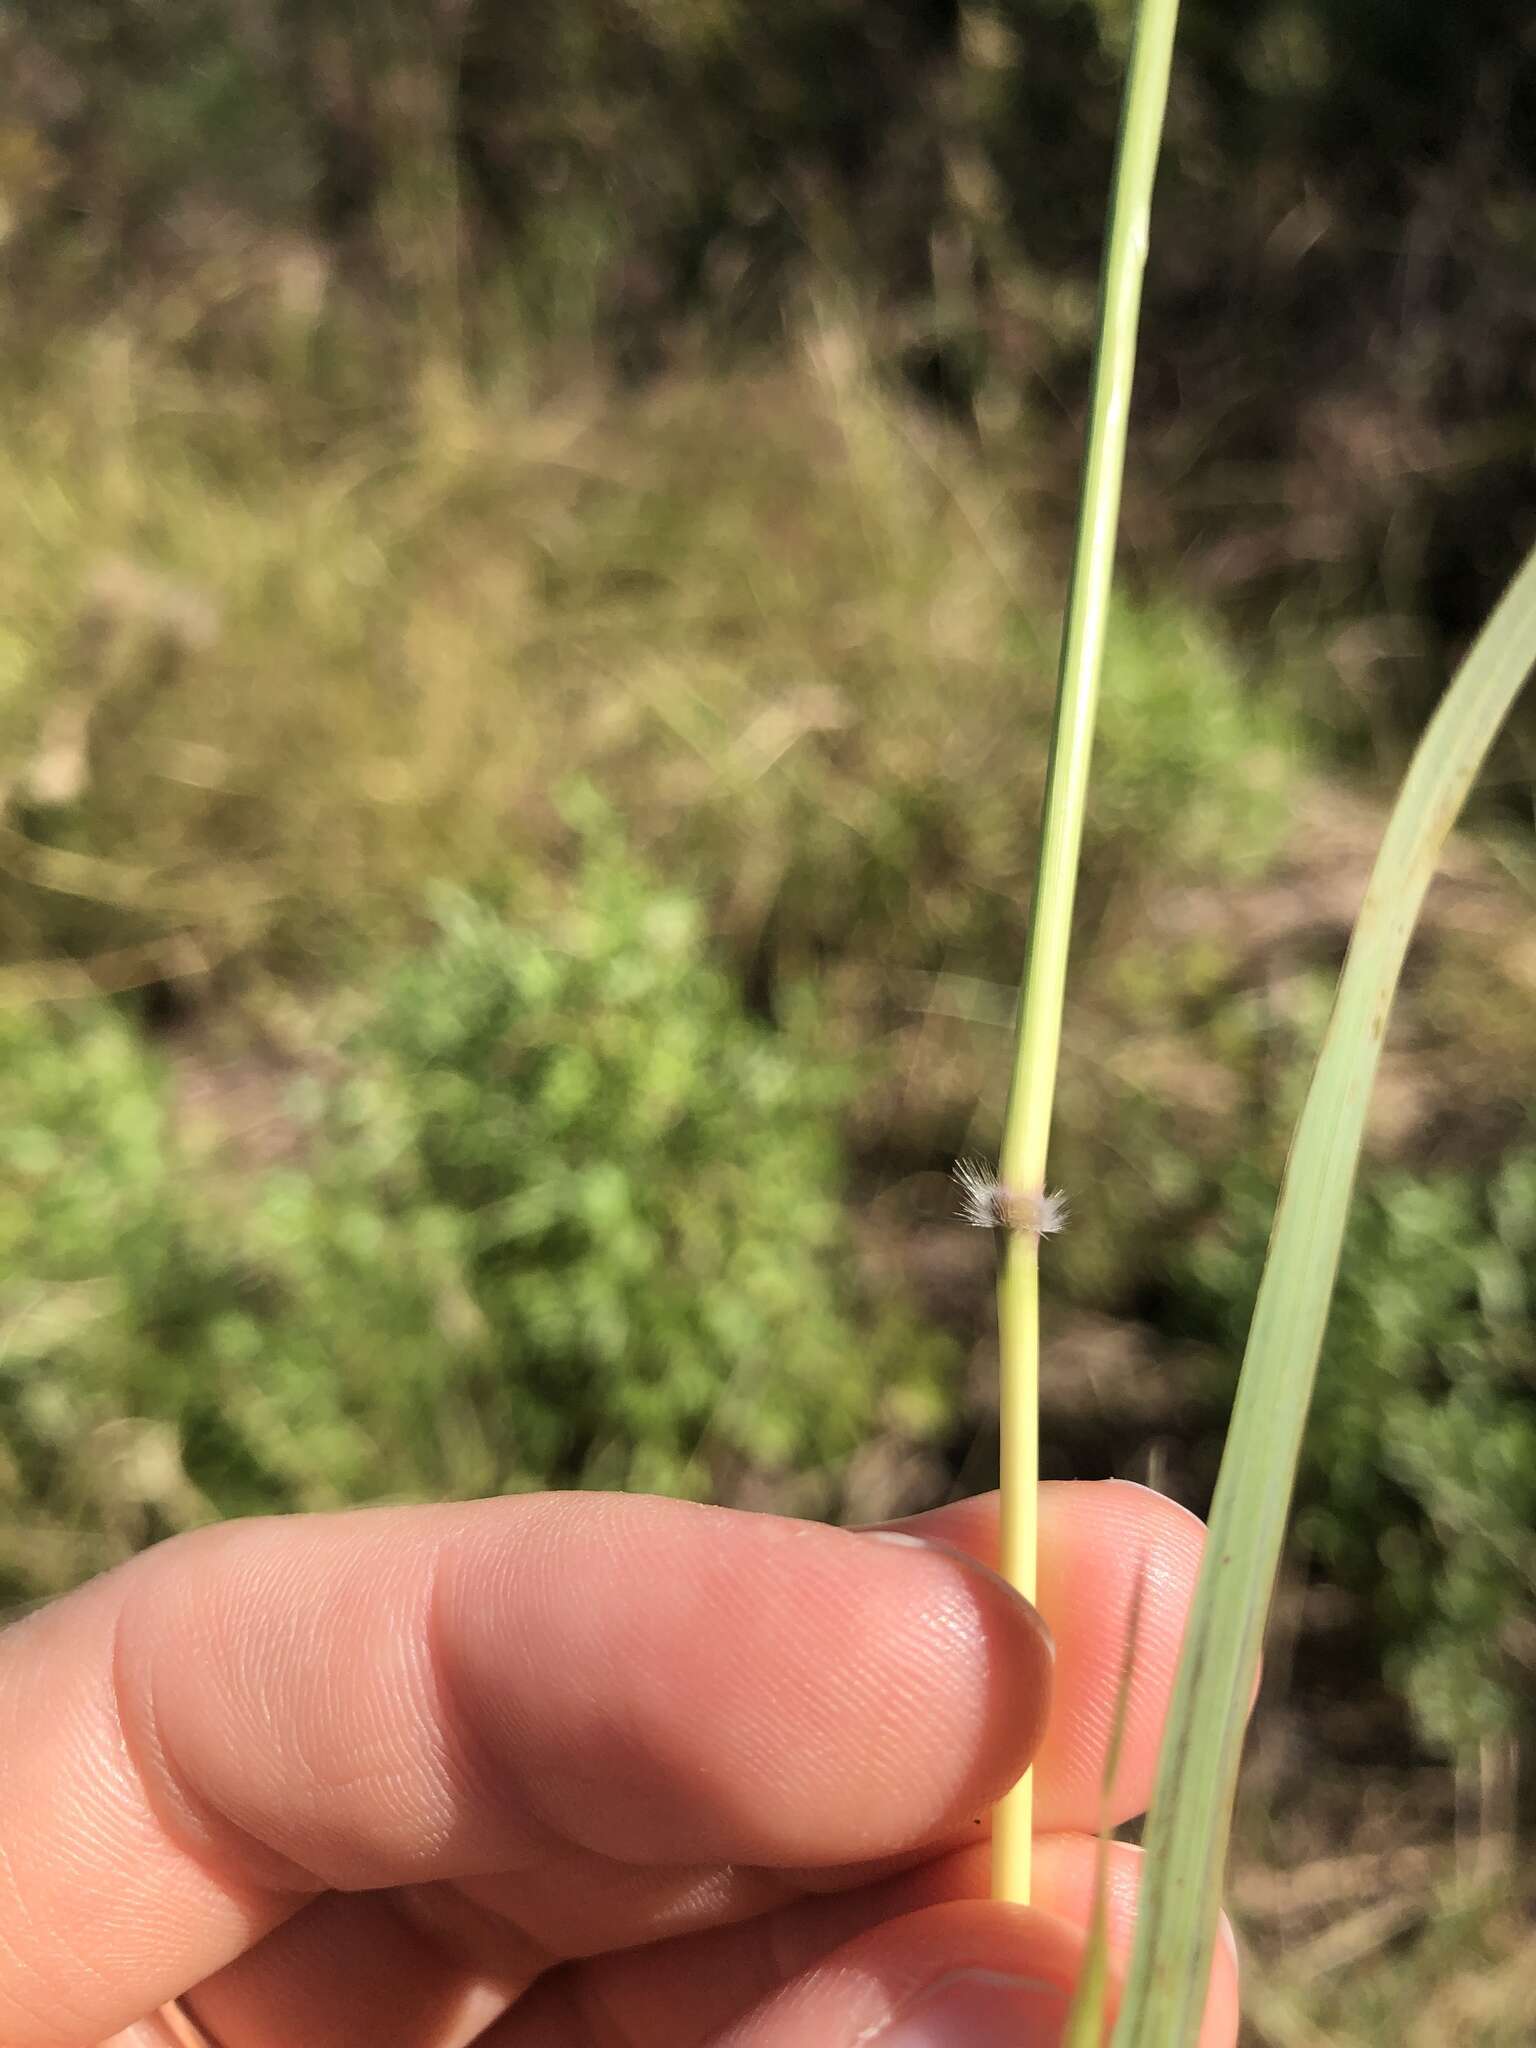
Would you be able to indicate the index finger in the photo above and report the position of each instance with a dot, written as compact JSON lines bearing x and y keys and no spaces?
{"x":194,"y":1746}
{"x":356,"y":1976}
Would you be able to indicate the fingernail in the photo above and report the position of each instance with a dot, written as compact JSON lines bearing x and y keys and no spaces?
{"x":981,"y":2009}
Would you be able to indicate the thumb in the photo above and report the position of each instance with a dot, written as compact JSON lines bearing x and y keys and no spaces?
{"x":962,"y":1975}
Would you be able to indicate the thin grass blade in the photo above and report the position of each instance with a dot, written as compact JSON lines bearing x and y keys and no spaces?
{"x":1090,"y":2001}
{"x":1186,"y":1842}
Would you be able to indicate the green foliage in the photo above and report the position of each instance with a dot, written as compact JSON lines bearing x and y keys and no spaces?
{"x":1419,"y":1479}
{"x":647,"y":1185}
{"x":568,"y":1213}
{"x":104,"y":1279}
{"x":1190,"y":753}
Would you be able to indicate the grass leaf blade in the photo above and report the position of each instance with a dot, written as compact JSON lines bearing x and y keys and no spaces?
{"x":1186,"y":1840}
{"x":1090,"y":2000}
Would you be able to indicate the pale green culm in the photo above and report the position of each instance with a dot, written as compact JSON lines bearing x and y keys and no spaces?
{"x":1027,"y":1127}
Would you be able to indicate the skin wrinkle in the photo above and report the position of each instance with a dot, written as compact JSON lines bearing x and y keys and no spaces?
{"x":886,"y":1718}
{"x":534,"y":1591}
{"x":526,"y":1570}
{"x":758,"y":1757}
{"x":670,"y":1903}
{"x":959,"y":1632}
{"x":473,"y":1936}
{"x":367,"y":1976}
{"x":1098,"y":1722}
{"x":401,"y":1743}
{"x":389,"y":1744}
{"x":617,"y":1707}
{"x":606,"y":1687}
{"x":468,"y":1751}
{"x":599,"y":1991}
{"x":397,"y":1906}
{"x":192,"y":1826}
{"x":378,"y":1753}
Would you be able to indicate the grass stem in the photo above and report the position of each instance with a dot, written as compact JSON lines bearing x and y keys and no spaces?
{"x":1026,"y":1133}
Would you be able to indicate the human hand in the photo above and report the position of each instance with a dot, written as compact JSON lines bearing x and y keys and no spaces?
{"x":577,"y":1771}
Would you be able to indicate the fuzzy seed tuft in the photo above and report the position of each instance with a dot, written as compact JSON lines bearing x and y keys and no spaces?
{"x":988,"y":1205}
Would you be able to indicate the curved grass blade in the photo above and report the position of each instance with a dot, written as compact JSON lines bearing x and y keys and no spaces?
{"x":1186,"y":1842}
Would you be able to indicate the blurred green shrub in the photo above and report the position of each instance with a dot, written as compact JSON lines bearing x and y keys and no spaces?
{"x":96,"y":1260}
{"x":569,"y":1214}
{"x":1419,"y":1474}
